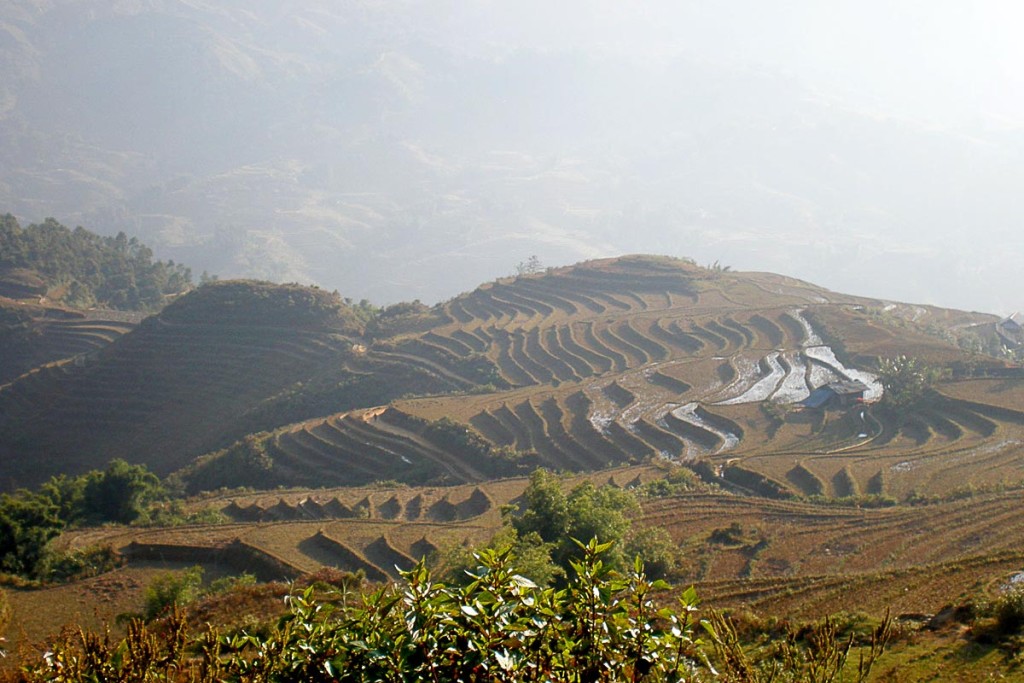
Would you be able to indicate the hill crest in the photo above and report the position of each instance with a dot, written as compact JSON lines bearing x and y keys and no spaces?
{"x":258,"y":303}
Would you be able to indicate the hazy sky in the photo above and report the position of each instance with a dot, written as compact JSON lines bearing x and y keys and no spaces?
{"x":398,"y":149}
{"x":946,"y":61}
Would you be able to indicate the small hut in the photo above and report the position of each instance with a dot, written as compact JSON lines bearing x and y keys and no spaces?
{"x":842,"y":394}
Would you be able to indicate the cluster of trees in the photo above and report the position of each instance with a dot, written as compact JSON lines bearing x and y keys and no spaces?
{"x":29,"y":520}
{"x":906,"y":381}
{"x":84,"y":269}
{"x":530,"y":266}
{"x":543,"y":529}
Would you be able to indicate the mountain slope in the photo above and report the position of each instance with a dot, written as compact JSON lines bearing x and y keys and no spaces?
{"x":34,"y":335}
{"x":175,"y":386}
{"x":606,"y":362}
{"x":617,"y":361}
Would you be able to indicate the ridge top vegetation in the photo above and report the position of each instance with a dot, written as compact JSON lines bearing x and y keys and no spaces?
{"x":82,"y":269}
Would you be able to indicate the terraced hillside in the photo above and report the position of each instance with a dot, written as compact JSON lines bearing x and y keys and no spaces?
{"x":617,"y":361}
{"x":373,"y":528}
{"x":804,"y":559}
{"x":183,"y":382}
{"x":605,"y":363}
{"x":34,"y":335}
{"x":715,"y":370}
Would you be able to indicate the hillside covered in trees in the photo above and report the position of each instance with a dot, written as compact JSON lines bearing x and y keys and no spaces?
{"x":81,"y":269}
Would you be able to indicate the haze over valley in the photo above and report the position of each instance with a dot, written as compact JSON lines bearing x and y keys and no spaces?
{"x":395,"y":150}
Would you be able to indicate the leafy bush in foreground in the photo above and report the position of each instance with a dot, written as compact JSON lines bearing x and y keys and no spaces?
{"x":501,"y":627}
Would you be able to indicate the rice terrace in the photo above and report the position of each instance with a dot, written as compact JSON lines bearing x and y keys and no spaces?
{"x":754,"y":416}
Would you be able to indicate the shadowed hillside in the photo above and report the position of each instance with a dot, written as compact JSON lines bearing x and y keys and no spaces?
{"x":177,"y":385}
{"x":33,"y":335}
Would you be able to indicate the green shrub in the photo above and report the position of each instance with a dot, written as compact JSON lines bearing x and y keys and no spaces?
{"x":120,"y":493}
{"x":1008,"y":610}
{"x":587,"y":511}
{"x":80,"y":564}
{"x":730,"y":535}
{"x":678,"y":480}
{"x":499,"y":627}
{"x":659,"y":552}
{"x":171,"y":590}
{"x":228,"y":583}
{"x":530,"y":556}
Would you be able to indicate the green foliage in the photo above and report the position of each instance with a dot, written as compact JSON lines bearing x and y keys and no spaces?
{"x":79,"y":564}
{"x":659,"y":552}
{"x":84,"y":269}
{"x":906,"y":381}
{"x":1008,"y":610}
{"x":497,"y":626}
{"x":501,"y":627}
{"x":603,"y":513}
{"x":230,"y":583}
{"x":244,"y":463}
{"x":459,"y":438}
{"x":404,"y":317}
{"x":729,"y":535}
{"x":172,"y":513}
{"x":364,"y":311}
{"x":586,"y":512}
{"x":540,"y":532}
{"x":30,"y":520}
{"x":530,"y":556}
{"x":678,"y":480}
{"x":170,"y":590}
{"x":545,"y":509}
{"x":119,"y":494}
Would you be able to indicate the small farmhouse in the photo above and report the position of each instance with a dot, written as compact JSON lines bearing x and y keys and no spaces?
{"x":1011,"y":330}
{"x":1014,"y":323}
{"x":836,"y":395}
